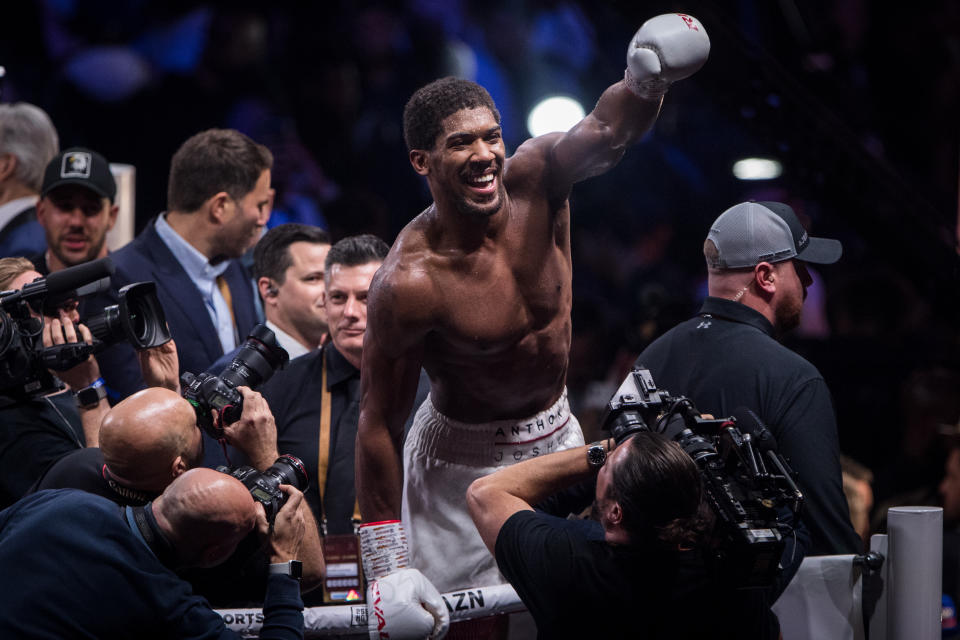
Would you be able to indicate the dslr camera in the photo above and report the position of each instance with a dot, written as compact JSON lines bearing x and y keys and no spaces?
{"x":259,"y":357}
{"x":264,"y":486}
{"x":745,"y":481}
{"x":25,"y":362}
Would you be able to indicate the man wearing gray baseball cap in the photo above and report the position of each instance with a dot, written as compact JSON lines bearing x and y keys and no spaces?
{"x":728,"y":355}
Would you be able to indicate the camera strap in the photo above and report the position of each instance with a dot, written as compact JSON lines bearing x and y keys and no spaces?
{"x":146,"y":523}
{"x":129,"y":494}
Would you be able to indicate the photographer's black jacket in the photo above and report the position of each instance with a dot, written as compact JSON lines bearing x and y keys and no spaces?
{"x":33,"y":435}
{"x":84,"y":469}
{"x":238,"y":582}
{"x":77,"y":568}
{"x":727,"y":357}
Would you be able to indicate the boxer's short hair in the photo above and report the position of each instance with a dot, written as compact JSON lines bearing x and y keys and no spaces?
{"x":212,"y":161}
{"x":429,"y":105}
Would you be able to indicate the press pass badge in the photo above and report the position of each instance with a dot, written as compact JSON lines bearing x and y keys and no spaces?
{"x":344,"y":579}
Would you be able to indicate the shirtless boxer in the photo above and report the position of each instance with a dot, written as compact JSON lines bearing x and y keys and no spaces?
{"x":477,"y":290}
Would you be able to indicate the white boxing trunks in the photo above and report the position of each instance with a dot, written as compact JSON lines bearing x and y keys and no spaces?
{"x":441,"y":457}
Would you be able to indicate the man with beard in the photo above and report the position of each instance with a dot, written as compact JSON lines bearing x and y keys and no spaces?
{"x":218,"y":200}
{"x":76,"y":209}
{"x":728,"y":356}
{"x":477,"y":290}
{"x":647,"y":551}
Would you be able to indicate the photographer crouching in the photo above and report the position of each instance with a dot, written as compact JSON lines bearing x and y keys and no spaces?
{"x":110,"y":572}
{"x":150,"y":439}
{"x":645,"y":568}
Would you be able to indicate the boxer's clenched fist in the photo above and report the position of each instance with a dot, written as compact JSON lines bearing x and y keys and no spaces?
{"x":404,"y":604}
{"x":667,"y":48}
{"x":401,"y":602}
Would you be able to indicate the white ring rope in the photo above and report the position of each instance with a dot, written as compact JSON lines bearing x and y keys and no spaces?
{"x":464,"y":604}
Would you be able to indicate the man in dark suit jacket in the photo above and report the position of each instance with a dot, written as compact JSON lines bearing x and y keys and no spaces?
{"x":218,"y":200}
{"x":28,"y":141}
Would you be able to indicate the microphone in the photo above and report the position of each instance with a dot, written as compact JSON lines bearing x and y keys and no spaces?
{"x":767,"y":444}
{"x":674,"y":427}
{"x":73,"y":278}
{"x":749,"y":422}
{"x":61,"y":286}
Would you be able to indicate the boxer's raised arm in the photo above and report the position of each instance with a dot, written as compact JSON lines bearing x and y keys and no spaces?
{"x":389,"y":373}
{"x":667,"y":48}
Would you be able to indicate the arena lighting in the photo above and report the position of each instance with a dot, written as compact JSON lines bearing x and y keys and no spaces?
{"x":556,"y":113}
{"x":757,"y":169}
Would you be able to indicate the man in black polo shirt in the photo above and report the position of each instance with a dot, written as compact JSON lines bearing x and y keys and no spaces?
{"x":728,"y":356}
{"x":636,"y":571}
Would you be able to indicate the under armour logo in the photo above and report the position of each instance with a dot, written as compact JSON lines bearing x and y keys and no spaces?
{"x":704,"y":324}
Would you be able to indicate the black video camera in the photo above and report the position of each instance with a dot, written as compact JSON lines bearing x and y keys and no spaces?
{"x":25,"y":362}
{"x":264,"y":485}
{"x":138,"y":319}
{"x":743,"y":490}
{"x":259,"y":357}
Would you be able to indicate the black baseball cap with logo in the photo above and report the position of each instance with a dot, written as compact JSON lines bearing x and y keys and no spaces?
{"x":83,"y":167}
{"x":749,"y":233}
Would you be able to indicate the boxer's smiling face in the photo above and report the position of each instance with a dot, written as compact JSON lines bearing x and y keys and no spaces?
{"x":466,"y":164}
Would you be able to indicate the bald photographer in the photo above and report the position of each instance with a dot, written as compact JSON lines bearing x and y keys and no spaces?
{"x":110,"y":573}
{"x":150,"y":439}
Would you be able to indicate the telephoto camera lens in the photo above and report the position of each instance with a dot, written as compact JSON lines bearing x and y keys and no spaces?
{"x":289,"y":469}
{"x":264,"y":486}
{"x":257,"y":359}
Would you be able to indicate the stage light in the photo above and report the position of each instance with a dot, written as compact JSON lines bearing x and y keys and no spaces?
{"x":757,"y":169}
{"x":557,"y":113}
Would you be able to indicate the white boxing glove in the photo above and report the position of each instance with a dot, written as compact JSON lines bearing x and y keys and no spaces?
{"x":666,"y":48}
{"x":405,"y":605}
{"x":401,"y":602}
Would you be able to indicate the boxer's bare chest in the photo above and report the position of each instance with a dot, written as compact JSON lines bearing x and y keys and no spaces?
{"x":495,"y":297}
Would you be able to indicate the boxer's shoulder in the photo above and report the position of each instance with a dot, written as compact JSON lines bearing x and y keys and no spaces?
{"x":530,"y":162}
{"x":403,"y":292}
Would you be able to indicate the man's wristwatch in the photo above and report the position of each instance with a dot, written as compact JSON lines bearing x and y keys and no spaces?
{"x":92,"y":395}
{"x":292,"y":568}
{"x":596,"y":455}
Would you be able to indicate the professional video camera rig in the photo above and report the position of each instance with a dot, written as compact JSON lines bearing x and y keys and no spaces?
{"x":747,"y":484}
{"x":25,"y":363}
